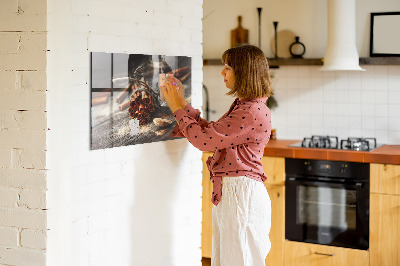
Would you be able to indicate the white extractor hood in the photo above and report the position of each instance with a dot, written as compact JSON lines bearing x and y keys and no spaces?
{"x":341,"y":51}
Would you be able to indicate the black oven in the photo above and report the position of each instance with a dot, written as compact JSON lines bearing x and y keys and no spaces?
{"x":327,"y":202}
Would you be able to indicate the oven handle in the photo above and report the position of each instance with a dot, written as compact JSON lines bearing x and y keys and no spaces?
{"x":357,"y":185}
{"x":324,"y":254}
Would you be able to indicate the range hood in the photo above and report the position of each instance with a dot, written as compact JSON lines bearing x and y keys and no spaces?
{"x":341,"y":51}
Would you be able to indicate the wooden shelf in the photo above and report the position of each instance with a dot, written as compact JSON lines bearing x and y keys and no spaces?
{"x":380,"y":61}
{"x":274,"y":63}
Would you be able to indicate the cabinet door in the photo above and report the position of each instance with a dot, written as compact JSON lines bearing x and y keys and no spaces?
{"x":385,"y":178}
{"x":384,"y":230}
{"x":274,"y":168}
{"x":304,"y":254}
{"x":277,"y":233}
{"x":206,"y":226}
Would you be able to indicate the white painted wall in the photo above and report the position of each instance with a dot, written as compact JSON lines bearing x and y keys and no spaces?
{"x":311,"y":102}
{"x":135,"y":205}
{"x":23,"y":133}
{"x":306,"y":19}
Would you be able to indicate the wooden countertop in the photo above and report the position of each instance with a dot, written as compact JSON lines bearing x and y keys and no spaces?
{"x":389,"y":154}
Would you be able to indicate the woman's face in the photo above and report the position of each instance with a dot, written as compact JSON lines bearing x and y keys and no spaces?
{"x":229,"y":76}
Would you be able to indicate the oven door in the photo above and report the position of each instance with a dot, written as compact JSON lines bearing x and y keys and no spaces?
{"x":327,"y":213}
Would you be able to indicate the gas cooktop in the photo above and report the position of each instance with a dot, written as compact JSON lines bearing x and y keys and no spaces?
{"x":332,"y":142}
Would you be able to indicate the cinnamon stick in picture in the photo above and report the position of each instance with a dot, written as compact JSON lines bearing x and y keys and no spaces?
{"x":182,"y":79}
{"x":180,"y":71}
{"x":100,"y":94}
{"x":124,"y":106}
{"x":123,"y":94}
{"x":99,"y":100}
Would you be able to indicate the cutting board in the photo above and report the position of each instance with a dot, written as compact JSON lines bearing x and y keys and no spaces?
{"x":239,"y":35}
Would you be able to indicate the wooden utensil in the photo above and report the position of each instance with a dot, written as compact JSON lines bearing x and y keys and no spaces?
{"x":239,"y":35}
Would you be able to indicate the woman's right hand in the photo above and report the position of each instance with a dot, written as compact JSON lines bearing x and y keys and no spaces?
{"x":181,"y":89}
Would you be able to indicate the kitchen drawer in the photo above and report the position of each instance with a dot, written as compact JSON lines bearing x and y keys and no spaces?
{"x":274,"y":168}
{"x":384,"y":236}
{"x":305,"y":254}
{"x":385,"y":178}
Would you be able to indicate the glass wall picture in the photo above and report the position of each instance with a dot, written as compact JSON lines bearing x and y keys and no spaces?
{"x":127,"y":105}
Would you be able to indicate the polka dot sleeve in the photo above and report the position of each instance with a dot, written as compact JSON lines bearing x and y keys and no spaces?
{"x":229,"y":131}
{"x":193,"y":113}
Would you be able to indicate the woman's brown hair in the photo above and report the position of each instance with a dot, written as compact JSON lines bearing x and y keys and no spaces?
{"x":250,"y":66}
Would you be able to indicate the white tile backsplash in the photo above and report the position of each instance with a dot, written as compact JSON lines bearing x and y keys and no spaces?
{"x":394,"y":123}
{"x":394,"y":137}
{"x":393,"y":71}
{"x":292,"y":82}
{"x":367,"y":96}
{"x":394,"y":97}
{"x":343,"y":103}
{"x":368,"y":123}
{"x":381,"y":83}
{"x":329,"y":109}
{"x":394,"y":82}
{"x":381,"y":110}
{"x":367,"y":109}
{"x":380,"y":71}
{"x":342,"y":109}
{"x":394,"y":110}
{"x":342,"y":123}
{"x":355,"y":96}
{"x":304,"y":82}
{"x":382,"y":136}
{"x":381,"y":97}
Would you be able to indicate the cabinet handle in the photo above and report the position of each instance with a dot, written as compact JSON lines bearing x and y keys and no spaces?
{"x":324,"y":254}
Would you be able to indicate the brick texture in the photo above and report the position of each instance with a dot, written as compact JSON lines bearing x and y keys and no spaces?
{"x":9,"y":237}
{"x":33,"y":239}
{"x":23,"y":125}
{"x":45,"y":124}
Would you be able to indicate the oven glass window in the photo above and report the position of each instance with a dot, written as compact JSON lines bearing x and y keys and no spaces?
{"x":326,"y":207}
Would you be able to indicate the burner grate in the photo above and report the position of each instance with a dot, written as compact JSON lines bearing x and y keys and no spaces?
{"x":327,"y":142}
{"x":358,"y":144}
{"x":332,"y":142}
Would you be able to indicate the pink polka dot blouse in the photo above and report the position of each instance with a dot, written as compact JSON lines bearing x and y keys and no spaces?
{"x":238,"y":139}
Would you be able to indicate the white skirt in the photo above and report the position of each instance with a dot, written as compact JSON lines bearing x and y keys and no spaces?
{"x":241,"y":223}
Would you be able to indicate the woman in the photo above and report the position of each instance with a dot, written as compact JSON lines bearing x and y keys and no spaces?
{"x":242,"y":208}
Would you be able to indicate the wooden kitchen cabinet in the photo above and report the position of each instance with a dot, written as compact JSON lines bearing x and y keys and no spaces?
{"x":206,"y":225}
{"x":385,"y":215}
{"x":384,"y":236}
{"x":277,"y":233}
{"x":385,"y":178}
{"x":305,"y":254}
{"x":274,"y":168}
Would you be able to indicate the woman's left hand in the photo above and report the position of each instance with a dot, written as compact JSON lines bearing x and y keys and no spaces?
{"x":170,"y":90}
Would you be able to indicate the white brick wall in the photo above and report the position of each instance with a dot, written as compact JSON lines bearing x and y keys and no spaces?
{"x":134,"y":205}
{"x":8,"y":197}
{"x":9,"y":237}
{"x":23,"y":132}
{"x":33,"y":239}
